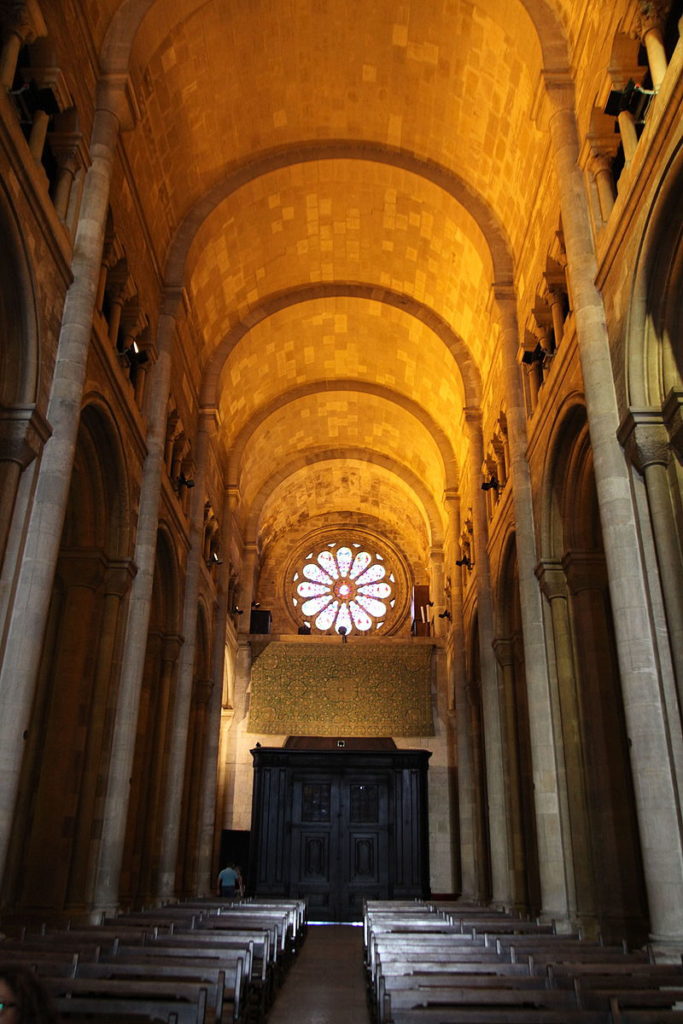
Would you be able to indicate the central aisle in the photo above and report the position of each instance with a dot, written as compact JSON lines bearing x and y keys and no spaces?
{"x":326,"y":984}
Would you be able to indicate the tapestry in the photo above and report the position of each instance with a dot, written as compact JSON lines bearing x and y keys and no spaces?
{"x":346,"y":690}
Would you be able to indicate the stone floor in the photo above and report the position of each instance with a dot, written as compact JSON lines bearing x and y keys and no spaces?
{"x":326,"y":984}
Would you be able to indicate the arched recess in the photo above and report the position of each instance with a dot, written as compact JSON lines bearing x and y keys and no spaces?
{"x":140,"y":871}
{"x":23,"y":431}
{"x":652,"y":432}
{"x":517,"y":764}
{"x":54,"y":847}
{"x":190,"y":845}
{"x":604,"y":854}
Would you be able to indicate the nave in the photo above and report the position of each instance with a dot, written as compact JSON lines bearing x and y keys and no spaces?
{"x":411,"y":962}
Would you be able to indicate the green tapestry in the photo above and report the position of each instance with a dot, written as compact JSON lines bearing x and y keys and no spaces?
{"x":341,"y":690}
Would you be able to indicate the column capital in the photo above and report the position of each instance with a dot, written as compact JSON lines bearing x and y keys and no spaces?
{"x":504,"y":292}
{"x":172,"y":299}
{"x":119,"y":576}
{"x":673,"y":417}
{"x":171,"y":646}
{"x":24,"y":18}
{"x":504,"y":650}
{"x":644,"y":437}
{"x":209,"y":419}
{"x":560,"y":90}
{"x":473,"y":415}
{"x":23,"y":433}
{"x":552,"y":579}
{"x":115,"y":94}
{"x":651,"y":15}
{"x":600,"y":160}
{"x":585,"y":570}
{"x":82,"y":567}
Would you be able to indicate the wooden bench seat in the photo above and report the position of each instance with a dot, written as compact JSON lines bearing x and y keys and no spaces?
{"x":225,"y":991}
{"x":453,"y":1015}
{"x":184,"y":1003}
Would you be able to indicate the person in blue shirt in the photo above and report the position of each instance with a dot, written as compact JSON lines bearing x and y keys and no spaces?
{"x":230,"y":881}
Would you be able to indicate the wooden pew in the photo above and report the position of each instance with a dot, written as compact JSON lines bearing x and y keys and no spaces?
{"x":451,"y":1015}
{"x":473,"y":1000}
{"x":173,"y":1001}
{"x":223,"y":995}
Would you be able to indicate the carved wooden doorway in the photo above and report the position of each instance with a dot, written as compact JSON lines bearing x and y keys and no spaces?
{"x":338,"y":828}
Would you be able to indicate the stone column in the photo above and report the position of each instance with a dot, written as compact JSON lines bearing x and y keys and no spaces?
{"x":601,"y":167}
{"x":248,"y":581}
{"x":456,"y":632}
{"x":23,"y":433}
{"x":646,"y":441}
{"x":629,"y":135}
{"x":139,"y":607}
{"x":34,"y":586}
{"x":505,"y":657}
{"x":470,"y":854}
{"x":436,"y":561}
{"x":578,"y":854}
{"x":25,"y":26}
{"x":176,"y":761}
{"x":650,"y":22}
{"x":542,"y":702}
{"x":499,"y":826}
{"x":115,"y":586}
{"x":161,"y":702}
{"x":649,"y":731}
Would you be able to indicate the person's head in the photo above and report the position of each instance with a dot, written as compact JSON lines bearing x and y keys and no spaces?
{"x":23,"y":998}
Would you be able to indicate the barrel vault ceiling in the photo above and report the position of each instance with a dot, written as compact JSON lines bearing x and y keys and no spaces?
{"x":337,"y":184}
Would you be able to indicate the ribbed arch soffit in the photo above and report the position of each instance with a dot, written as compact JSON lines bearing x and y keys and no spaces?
{"x":307,"y":293}
{"x":125,"y":22}
{"x":427,"y":505}
{"x":127,"y":16}
{"x":450,"y":465}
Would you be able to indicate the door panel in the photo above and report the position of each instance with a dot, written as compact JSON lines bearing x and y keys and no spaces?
{"x":340,"y":831}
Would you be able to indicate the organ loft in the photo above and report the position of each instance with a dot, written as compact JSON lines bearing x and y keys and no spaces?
{"x":341,"y":455}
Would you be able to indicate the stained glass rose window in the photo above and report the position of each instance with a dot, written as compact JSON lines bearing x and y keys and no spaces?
{"x":344,"y":586}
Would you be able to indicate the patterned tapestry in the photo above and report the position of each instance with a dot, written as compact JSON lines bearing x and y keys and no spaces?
{"x":342,"y":690}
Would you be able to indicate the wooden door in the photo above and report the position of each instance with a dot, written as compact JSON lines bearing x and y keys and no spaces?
{"x":340,"y":842}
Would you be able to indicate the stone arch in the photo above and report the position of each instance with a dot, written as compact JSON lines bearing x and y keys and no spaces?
{"x":652,"y":430}
{"x":422,"y":415}
{"x":378,"y":293}
{"x":429,"y":507}
{"x":61,"y":807}
{"x":142,"y":850}
{"x":654,"y":350}
{"x":603,"y":855}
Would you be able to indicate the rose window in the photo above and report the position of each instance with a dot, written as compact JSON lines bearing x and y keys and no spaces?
{"x":344,"y":588}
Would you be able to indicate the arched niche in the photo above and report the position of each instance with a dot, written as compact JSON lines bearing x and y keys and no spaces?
{"x":60,"y":808}
{"x":604,"y":857}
